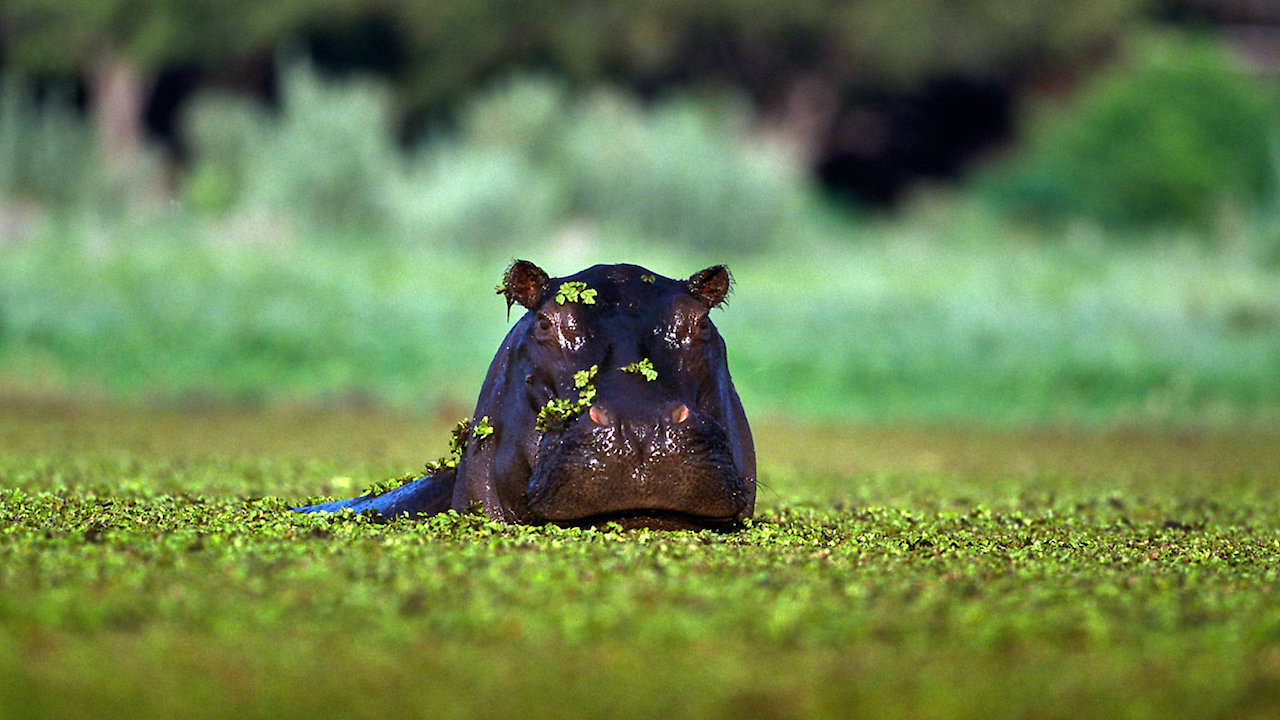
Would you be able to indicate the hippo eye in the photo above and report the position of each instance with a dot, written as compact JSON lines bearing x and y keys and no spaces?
{"x":704,"y":328}
{"x":560,"y":329}
{"x":543,"y":328}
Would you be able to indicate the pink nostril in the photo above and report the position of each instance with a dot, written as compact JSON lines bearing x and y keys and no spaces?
{"x":598,"y":415}
{"x":679,"y":413}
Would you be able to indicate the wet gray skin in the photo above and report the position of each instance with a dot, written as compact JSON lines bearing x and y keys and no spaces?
{"x":659,"y":444}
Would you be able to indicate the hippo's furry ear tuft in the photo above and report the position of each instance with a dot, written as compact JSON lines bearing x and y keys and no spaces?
{"x":712,"y":285}
{"x":524,"y":283}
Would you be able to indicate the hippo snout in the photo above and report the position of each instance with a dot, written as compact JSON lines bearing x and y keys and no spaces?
{"x":672,"y":469}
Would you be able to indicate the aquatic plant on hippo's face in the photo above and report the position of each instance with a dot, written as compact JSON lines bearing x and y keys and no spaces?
{"x":643,"y":368}
{"x":559,"y":410}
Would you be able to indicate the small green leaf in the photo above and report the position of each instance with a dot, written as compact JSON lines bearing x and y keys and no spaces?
{"x":575,"y":292}
{"x":583,"y":378}
{"x":386,"y":486}
{"x":482,"y":429}
{"x":643,"y":367}
{"x":558,"y":410}
{"x":461,"y":435}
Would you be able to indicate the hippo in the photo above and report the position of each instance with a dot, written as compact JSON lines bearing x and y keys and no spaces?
{"x":609,"y":401}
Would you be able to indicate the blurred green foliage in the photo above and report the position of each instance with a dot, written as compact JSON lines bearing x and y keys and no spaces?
{"x":1174,"y":134}
{"x":242,"y":316}
{"x":938,"y":319}
{"x":444,"y":49}
{"x":42,"y":36}
{"x":327,"y":154}
{"x":435,"y":55}
{"x":47,"y":149}
{"x":685,"y":172}
{"x":527,"y":159}
{"x":765,"y":49}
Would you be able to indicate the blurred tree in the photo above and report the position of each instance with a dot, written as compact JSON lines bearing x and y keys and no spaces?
{"x":809,"y":65}
{"x":864,"y":80}
{"x":760,"y":44}
{"x":1174,"y":134}
{"x":119,"y":47}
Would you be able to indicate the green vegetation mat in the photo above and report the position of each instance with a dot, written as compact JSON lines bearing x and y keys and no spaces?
{"x":149,"y":569}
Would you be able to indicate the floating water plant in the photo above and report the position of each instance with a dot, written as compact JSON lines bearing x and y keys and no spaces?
{"x":575,"y":292}
{"x":561,"y":409}
{"x":643,"y":367}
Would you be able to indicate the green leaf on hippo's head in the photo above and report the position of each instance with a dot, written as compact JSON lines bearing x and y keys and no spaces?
{"x":643,"y":367}
{"x":575,"y":292}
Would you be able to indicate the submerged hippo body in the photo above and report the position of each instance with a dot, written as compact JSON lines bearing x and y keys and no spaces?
{"x":661,"y":444}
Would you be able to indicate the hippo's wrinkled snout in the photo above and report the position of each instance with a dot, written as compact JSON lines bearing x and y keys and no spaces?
{"x":674,"y":470}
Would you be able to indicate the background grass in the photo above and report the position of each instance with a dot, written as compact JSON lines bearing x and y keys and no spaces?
{"x":953,"y":316}
{"x":150,"y":569}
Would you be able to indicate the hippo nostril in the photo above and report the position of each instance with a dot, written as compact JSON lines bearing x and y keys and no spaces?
{"x":679,"y":413}
{"x":598,"y":415}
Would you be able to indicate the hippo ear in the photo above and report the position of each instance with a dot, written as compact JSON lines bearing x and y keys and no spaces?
{"x":524,"y":283}
{"x":711,"y":286}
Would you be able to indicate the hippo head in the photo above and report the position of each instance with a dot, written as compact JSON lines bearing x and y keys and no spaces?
{"x":610,"y":401}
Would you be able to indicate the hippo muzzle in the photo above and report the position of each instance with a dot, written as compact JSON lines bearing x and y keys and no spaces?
{"x":672,"y":471}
